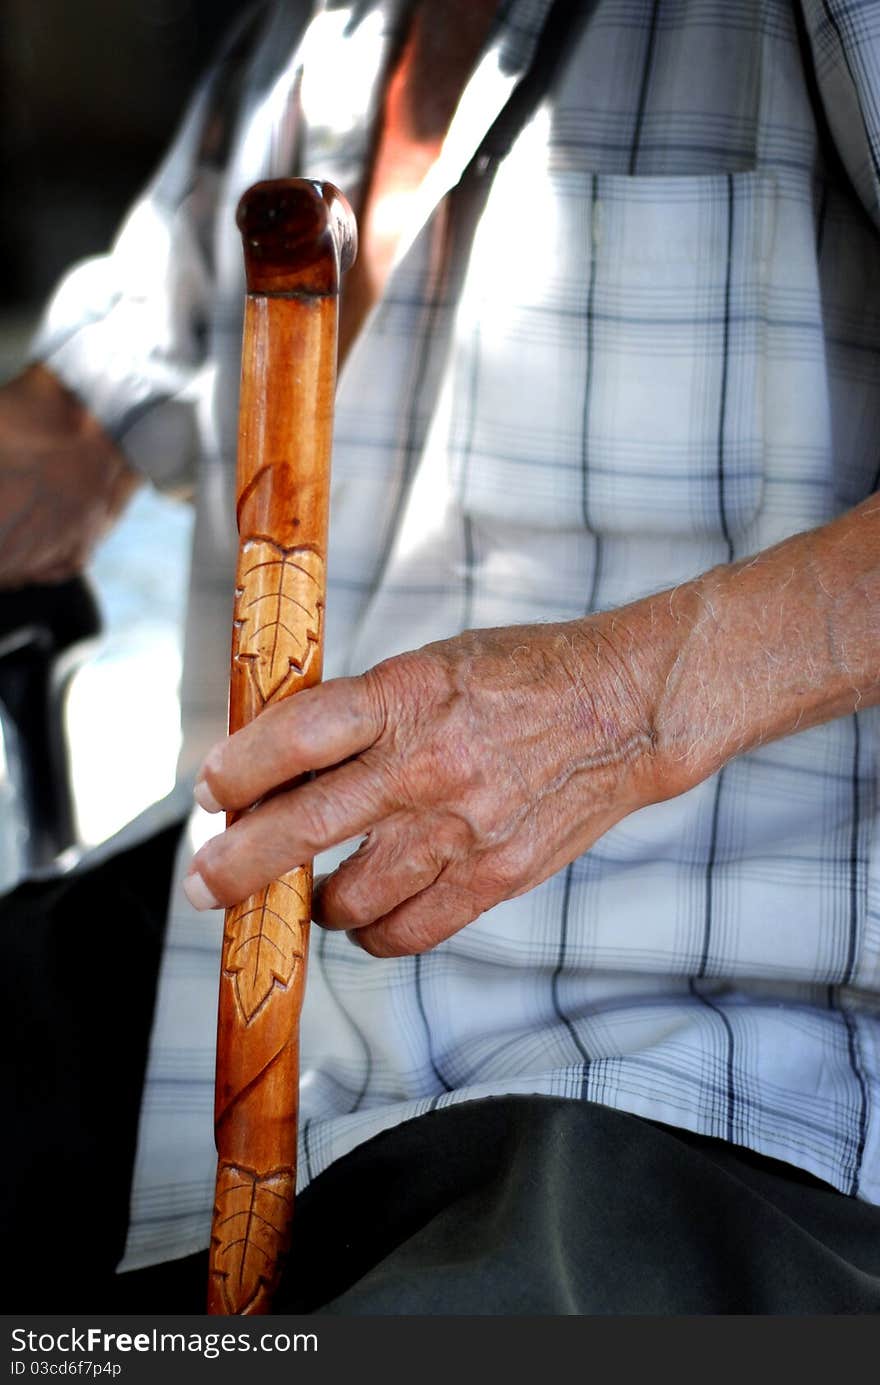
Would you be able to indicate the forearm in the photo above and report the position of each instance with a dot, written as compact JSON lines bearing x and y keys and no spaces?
{"x":759,"y":649}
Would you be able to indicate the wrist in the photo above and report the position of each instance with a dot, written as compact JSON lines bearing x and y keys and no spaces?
{"x":680,"y":639}
{"x":650,"y":639}
{"x":681,"y":660}
{"x":617,"y":662}
{"x":754,"y":651}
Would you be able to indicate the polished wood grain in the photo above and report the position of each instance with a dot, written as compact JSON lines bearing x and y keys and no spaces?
{"x":299,"y":238}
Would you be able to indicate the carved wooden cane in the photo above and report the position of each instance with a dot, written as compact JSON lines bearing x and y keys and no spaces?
{"x":299,"y":238}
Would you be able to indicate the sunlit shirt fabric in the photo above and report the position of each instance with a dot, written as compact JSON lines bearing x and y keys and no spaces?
{"x":665,"y":355}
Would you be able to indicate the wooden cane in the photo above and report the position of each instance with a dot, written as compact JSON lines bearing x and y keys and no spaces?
{"x":299,"y":238}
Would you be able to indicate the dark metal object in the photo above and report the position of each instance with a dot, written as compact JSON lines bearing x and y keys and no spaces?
{"x":44,"y":635}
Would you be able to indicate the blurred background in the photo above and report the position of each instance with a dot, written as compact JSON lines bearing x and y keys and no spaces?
{"x":90,"y":94}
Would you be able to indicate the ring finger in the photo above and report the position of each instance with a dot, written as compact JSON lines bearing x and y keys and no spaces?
{"x":395,"y":862}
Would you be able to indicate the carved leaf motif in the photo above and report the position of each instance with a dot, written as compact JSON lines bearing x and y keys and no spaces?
{"x":278,"y":611}
{"x":252,"y":1215}
{"x":264,"y":940}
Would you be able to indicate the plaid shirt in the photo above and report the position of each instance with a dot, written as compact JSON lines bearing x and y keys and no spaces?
{"x":662,"y":352}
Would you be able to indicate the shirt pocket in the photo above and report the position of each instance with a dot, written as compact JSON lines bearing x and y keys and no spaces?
{"x":608,"y":361}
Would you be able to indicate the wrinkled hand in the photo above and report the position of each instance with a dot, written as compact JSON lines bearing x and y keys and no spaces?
{"x":476,"y":767}
{"x":62,"y":481}
{"x":480,"y":765}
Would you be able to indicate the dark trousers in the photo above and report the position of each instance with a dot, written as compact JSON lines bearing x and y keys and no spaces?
{"x":511,"y":1205}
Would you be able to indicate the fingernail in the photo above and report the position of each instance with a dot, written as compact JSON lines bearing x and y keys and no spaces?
{"x":197,"y":892}
{"x":205,"y":799}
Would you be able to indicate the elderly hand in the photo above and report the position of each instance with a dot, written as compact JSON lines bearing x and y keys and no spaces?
{"x":62,"y":481}
{"x":480,"y":765}
{"x":476,"y":767}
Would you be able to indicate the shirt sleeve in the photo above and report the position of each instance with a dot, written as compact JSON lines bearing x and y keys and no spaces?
{"x":844,"y":38}
{"x":127,"y":331}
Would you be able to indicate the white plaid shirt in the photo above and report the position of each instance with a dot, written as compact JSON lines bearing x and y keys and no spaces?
{"x":665,"y":354}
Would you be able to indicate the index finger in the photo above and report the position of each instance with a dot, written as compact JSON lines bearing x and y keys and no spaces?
{"x":313,"y":729}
